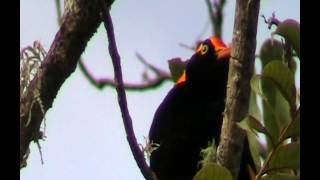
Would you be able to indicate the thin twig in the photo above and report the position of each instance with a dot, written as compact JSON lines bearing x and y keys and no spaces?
{"x":58,"y":8}
{"x":216,"y":15}
{"x":101,"y":83}
{"x":137,"y":153}
{"x":203,"y":31}
{"x":271,"y":21}
{"x":156,"y":70}
{"x":162,"y":76}
{"x":215,"y":10}
{"x":191,"y":48}
{"x":211,"y":15}
{"x":40,"y":151}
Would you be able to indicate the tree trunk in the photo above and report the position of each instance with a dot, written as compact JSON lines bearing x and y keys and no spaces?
{"x":238,"y":89}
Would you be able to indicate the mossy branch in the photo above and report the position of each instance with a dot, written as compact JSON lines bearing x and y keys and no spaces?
{"x":80,"y":21}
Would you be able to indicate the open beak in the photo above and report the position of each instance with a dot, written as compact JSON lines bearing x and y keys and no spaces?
{"x":224,"y":53}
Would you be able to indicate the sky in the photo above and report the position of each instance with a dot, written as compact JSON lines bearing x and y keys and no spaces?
{"x":85,"y":135}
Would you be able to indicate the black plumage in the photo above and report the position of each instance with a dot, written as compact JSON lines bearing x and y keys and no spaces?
{"x":191,"y":115}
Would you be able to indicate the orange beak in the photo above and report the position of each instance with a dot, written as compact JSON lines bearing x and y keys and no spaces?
{"x":222,"y":50}
{"x":224,"y":53}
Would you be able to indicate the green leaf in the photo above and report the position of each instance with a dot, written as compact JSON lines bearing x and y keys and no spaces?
{"x":276,"y":110}
{"x":280,"y":176}
{"x":271,"y":123}
{"x":290,"y":30}
{"x":177,"y":67}
{"x":254,"y":109}
{"x":270,"y":119}
{"x":281,"y":75}
{"x":213,"y":171}
{"x":255,"y":84}
{"x":244,"y":124}
{"x":255,"y":124}
{"x":271,"y":49}
{"x":255,"y":148}
{"x":248,"y":124}
{"x":208,"y":154}
{"x":294,"y":127}
{"x":286,"y":157}
{"x":293,"y":65}
{"x":276,"y":114}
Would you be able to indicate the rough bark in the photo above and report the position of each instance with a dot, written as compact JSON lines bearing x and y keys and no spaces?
{"x":238,"y":89}
{"x":80,"y":21}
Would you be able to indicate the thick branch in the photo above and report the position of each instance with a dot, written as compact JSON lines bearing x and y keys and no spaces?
{"x":137,"y":153}
{"x":238,"y":92}
{"x":161,"y":77}
{"x":80,"y":21}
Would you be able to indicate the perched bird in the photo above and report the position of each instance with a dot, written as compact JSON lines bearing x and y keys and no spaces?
{"x":191,"y":115}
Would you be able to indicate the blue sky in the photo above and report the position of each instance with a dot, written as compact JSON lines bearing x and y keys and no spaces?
{"x":85,"y":135}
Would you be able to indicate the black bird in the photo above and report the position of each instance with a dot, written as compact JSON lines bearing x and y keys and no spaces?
{"x":191,"y":115}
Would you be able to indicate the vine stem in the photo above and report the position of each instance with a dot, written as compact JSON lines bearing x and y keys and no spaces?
{"x":127,"y":121}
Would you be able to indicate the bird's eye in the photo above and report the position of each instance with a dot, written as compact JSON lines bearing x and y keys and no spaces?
{"x":204,"y":49}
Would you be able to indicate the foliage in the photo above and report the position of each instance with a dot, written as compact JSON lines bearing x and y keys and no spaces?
{"x":213,"y":171}
{"x":280,"y":122}
{"x":30,"y":62}
{"x":31,"y":58}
